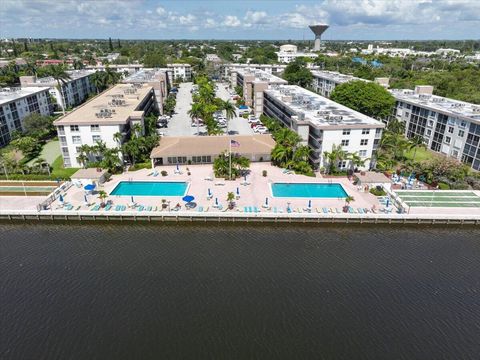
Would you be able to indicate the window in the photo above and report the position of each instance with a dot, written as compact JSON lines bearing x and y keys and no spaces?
{"x":450,"y":129}
{"x":60,"y":130}
{"x":363,"y":142}
{"x":461,"y":133}
{"x":345,"y":142}
{"x":346,"y":132}
{"x":463,"y":124}
{"x":342,"y":164}
{"x":77,"y":140}
{"x":94,"y":128}
{"x":74,"y":128}
{"x":78,"y":149}
{"x":378,"y":132}
{"x":63,"y":140}
{"x":430,"y":122}
{"x":96,"y":138}
{"x":448,"y":139}
{"x":362,"y":153}
{"x":365,"y":131}
{"x":429,"y":132}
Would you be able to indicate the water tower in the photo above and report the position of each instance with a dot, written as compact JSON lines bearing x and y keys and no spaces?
{"x":318,"y":30}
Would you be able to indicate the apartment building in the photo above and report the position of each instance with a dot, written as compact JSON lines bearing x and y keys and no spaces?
{"x":254,"y":82}
{"x":289,"y":53}
{"x":275,"y":69}
{"x":159,"y":79}
{"x":180,"y":71}
{"x":113,"y":111}
{"x":325,"y":81}
{"x":449,"y":127}
{"x":322,"y":123}
{"x":71,"y":93}
{"x":16,"y":104}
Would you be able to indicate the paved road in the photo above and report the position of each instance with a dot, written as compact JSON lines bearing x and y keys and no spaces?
{"x":180,"y":124}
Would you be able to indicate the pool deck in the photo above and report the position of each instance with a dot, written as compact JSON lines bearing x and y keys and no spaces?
{"x":252,"y":195}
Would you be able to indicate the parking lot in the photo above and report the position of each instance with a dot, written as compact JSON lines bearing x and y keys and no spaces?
{"x":180,"y":123}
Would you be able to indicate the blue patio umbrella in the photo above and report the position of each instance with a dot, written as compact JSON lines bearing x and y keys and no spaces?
{"x":131,"y":198}
{"x":60,"y":198}
{"x":89,"y":187}
{"x":245,"y":177}
{"x":188,"y":198}
{"x":216,"y":201}
{"x":238,"y":191}
{"x":209,"y":192}
{"x":266,"y":201}
{"x":178,"y":168}
{"x":387,"y":203}
{"x":309,"y":203}
{"x":85,"y":198}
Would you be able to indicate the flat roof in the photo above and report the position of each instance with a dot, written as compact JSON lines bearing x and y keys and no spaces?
{"x":74,"y":75}
{"x":335,"y":77}
{"x":451,"y":107}
{"x":319,"y":111}
{"x":179,"y":65}
{"x":9,"y":94}
{"x":212,"y":145}
{"x":145,"y":75}
{"x":131,"y":95}
{"x":261,"y":75}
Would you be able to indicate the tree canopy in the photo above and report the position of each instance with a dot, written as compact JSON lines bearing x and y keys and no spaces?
{"x":366,"y":97}
{"x":296,"y":73}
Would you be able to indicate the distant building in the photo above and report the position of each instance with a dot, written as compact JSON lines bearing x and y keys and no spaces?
{"x":325,"y":81}
{"x":16,"y":104}
{"x":275,"y":69}
{"x":288,"y":53}
{"x":322,"y":123}
{"x":449,"y":127}
{"x":254,"y":82}
{"x":182,"y":71}
{"x":113,"y":111}
{"x":72,"y":92}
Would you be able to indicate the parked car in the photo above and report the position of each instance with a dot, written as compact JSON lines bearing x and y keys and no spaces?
{"x":260,"y":130}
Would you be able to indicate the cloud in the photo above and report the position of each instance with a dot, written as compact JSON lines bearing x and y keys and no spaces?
{"x":231,"y":21}
{"x":256,"y":17}
{"x":160,"y":11}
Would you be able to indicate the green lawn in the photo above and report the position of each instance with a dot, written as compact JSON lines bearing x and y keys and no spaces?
{"x":421,"y":155}
{"x":50,"y":152}
{"x":58,"y":171}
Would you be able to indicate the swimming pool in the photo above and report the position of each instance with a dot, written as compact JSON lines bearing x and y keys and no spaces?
{"x":308,"y":190}
{"x":150,"y":188}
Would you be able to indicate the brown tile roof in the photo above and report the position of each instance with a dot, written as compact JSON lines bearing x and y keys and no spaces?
{"x":212,"y":145}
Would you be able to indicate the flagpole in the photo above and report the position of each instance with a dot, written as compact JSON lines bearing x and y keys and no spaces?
{"x":230,"y":159}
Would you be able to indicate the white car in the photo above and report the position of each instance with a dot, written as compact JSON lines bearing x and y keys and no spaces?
{"x":260,"y":129}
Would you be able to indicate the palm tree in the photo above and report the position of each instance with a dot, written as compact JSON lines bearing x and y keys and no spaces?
{"x":301,"y":153}
{"x":59,"y":73}
{"x":195,"y":113}
{"x":98,"y":80}
{"x":110,"y":159}
{"x":230,"y":198}
{"x":348,"y":200}
{"x":78,"y":65}
{"x":82,"y":159}
{"x":280,"y":154}
{"x":118,"y":137}
{"x":230,"y":110}
{"x":30,"y":69}
{"x":335,"y":155}
{"x":102,"y":195}
{"x":416,"y":142}
{"x":356,"y":161}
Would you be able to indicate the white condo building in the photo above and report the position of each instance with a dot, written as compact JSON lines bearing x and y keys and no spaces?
{"x":16,"y":104}
{"x":180,"y":71}
{"x":325,"y":81}
{"x":72,"y":92}
{"x":159,"y":79}
{"x":449,"y":127}
{"x":289,"y":53}
{"x":254,"y":82}
{"x":113,"y":111}
{"x":322,"y":123}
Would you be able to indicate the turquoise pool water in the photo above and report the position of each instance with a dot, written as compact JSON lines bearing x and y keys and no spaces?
{"x":150,"y":188}
{"x":305,"y":190}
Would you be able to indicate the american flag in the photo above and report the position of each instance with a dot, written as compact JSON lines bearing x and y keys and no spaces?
{"x":234,"y":143}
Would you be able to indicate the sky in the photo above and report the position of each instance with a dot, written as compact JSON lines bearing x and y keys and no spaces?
{"x":219,"y":19}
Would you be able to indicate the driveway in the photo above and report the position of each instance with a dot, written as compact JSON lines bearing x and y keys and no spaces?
{"x":180,"y":124}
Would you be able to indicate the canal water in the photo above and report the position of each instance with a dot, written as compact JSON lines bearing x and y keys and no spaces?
{"x":133,"y":291}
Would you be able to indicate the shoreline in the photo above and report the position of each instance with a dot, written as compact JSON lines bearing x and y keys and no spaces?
{"x":232,"y":217}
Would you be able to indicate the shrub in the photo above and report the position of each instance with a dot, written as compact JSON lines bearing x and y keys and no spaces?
{"x":139,"y":166}
{"x":378,"y":191}
{"x":264,"y":173}
{"x":164,"y":173}
{"x":443,"y":186}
